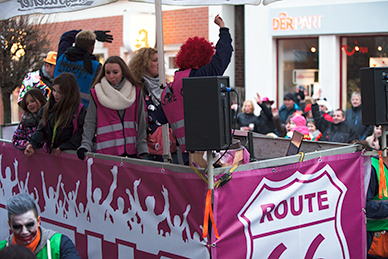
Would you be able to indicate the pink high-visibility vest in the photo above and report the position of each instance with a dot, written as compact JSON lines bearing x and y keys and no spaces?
{"x":114,"y":137}
{"x":172,"y":104}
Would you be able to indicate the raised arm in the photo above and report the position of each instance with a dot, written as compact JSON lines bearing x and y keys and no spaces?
{"x":221,"y":58}
{"x":66,"y":41}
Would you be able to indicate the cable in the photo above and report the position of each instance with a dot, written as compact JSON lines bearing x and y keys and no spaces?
{"x":229,"y":89}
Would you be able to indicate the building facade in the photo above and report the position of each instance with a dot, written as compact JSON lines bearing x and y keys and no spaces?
{"x":319,"y":44}
{"x":132,"y":25}
{"x":315,"y":44}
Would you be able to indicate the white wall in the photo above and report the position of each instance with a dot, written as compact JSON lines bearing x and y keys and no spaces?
{"x":329,"y":68}
{"x":227,"y":14}
{"x":260,"y":53}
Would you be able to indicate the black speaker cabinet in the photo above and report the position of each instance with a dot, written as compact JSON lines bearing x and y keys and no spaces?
{"x":374,"y":94}
{"x":207,"y":113}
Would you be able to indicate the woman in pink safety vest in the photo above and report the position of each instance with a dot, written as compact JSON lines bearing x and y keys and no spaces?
{"x":116,"y":114}
{"x":196,"y":58}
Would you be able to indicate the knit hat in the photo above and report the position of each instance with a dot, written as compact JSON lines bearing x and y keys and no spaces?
{"x":326,"y":104}
{"x":51,"y":58}
{"x":299,"y":120}
{"x":266,"y":100}
{"x":307,"y":108}
{"x":289,"y":96}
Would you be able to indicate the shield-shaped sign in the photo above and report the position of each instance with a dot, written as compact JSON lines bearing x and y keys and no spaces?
{"x":296,"y":217}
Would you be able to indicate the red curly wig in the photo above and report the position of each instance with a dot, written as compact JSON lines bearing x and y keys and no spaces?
{"x":194,"y":53}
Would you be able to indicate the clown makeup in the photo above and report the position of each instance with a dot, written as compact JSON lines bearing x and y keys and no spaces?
{"x":25,"y":227}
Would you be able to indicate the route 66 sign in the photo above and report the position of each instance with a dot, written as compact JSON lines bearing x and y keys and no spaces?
{"x":298,"y":217}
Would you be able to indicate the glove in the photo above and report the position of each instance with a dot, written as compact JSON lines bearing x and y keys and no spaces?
{"x":103,"y":36}
{"x":301,"y":94}
{"x":81,"y":153}
{"x":144,"y":156}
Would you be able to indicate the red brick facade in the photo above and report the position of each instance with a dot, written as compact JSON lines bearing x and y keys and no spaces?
{"x":114,"y":24}
{"x":178,"y":25}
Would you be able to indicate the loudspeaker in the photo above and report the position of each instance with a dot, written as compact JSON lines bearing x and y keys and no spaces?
{"x":374,"y":94}
{"x":207,"y":113}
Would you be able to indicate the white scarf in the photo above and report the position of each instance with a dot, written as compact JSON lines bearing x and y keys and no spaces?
{"x":113,"y":99}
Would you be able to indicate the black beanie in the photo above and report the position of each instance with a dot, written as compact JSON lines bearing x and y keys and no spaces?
{"x":289,"y":96}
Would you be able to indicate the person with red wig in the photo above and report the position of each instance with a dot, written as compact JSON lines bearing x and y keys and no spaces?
{"x":196,"y":57}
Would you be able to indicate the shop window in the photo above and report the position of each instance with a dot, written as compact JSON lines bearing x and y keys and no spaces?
{"x":169,"y":57}
{"x":358,"y":52}
{"x":100,"y":52}
{"x":297,"y":65}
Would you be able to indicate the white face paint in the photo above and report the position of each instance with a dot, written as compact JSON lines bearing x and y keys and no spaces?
{"x":25,"y":227}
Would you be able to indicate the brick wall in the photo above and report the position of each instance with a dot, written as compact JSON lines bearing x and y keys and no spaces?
{"x":178,"y":25}
{"x":114,"y":24}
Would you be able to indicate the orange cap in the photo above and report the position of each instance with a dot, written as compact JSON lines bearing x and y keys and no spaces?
{"x":51,"y":58}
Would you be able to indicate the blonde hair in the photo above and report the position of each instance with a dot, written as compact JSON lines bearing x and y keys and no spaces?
{"x":85,"y":39}
{"x":248,"y":101}
{"x":140,"y":61}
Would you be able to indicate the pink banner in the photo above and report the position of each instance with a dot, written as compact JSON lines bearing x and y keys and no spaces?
{"x":312,"y":209}
{"x":111,"y":209}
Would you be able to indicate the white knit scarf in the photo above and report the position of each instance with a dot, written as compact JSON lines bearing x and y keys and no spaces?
{"x":113,"y":99}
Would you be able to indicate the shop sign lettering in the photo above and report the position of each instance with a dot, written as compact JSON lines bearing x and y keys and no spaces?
{"x":286,"y":23}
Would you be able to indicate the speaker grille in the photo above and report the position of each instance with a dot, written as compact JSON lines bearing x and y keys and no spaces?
{"x":374,"y":94}
{"x":207,"y":113}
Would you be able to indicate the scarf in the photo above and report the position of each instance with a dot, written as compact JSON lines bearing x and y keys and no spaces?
{"x":30,"y":120}
{"x":46,"y":74}
{"x":114,"y":99}
{"x":153,"y":89}
{"x":32,"y":246}
{"x":77,"y":53}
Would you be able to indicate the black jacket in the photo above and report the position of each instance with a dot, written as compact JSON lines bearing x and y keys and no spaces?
{"x":244,"y":119}
{"x":354,"y":119}
{"x":340,"y":132}
{"x":264,"y":123}
{"x":375,"y":209}
{"x":65,"y":139}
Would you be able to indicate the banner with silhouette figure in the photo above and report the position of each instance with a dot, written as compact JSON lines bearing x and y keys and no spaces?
{"x":110,"y":209}
{"x":140,"y":209}
{"x":312,"y":209}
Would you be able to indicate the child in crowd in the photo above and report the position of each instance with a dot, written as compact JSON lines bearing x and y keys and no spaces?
{"x":298,"y":123}
{"x":373,"y":140}
{"x":31,"y":103}
{"x":116,"y":113}
{"x":314,"y":132}
{"x":62,"y":120}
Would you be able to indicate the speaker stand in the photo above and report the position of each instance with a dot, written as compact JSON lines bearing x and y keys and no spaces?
{"x":384,"y":139}
{"x":210,"y":172}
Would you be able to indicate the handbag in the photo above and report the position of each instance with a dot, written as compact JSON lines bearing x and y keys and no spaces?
{"x":155,"y":142}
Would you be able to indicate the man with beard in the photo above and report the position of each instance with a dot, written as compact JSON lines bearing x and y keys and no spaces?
{"x":24,"y":222}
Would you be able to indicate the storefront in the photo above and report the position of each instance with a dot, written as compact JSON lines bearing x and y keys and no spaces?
{"x":317,"y":46}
